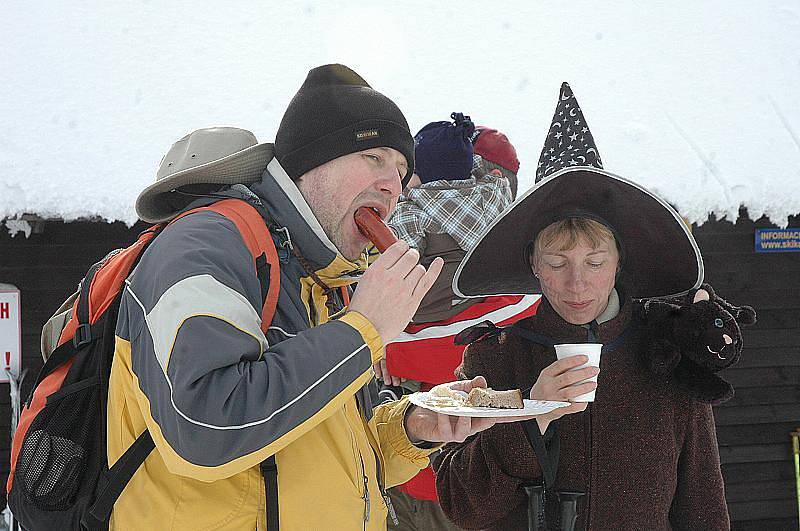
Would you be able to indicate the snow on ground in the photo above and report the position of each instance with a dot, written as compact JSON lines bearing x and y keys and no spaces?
{"x":695,"y":100}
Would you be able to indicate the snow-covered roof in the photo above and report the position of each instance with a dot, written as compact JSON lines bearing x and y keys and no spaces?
{"x":695,"y":100}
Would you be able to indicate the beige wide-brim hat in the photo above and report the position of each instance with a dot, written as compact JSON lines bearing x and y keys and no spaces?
{"x":214,"y":155}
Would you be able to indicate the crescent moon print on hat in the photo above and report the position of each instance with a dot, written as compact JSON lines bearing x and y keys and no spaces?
{"x":569,"y":141}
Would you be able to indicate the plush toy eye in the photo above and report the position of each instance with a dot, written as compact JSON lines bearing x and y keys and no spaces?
{"x":718,"y":323}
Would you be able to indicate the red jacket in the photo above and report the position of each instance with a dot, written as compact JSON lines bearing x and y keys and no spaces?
{"x":426,"y":353}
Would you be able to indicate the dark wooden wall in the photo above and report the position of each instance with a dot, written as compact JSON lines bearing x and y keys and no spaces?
{"x":753,"y":428}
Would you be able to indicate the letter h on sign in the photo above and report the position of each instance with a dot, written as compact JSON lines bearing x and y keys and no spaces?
{"x":10,"y":332}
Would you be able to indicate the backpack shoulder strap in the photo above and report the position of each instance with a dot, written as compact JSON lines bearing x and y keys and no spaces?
{"x":259,"y":242}
{"x":104,"y":284}
{"x":119,"y":475}
{"x":255,"y":233}
{"x":531,"y":336}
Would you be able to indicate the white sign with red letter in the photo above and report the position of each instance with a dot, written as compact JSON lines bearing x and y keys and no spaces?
{"x":10,"y":332}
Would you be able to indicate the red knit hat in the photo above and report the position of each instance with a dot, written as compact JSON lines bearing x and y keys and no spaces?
{"x":494,"y":146}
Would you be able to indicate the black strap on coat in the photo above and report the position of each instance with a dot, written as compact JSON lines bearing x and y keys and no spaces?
{"x":117,"y":477}
{"x":548,"y":454}
{"x":269,"y":469}
{"x":548,"y":458}
{"x":548,"y":462}
{"x":548,"y":342}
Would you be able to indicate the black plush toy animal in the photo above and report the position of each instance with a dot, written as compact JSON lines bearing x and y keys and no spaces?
{"x":694,"y":337}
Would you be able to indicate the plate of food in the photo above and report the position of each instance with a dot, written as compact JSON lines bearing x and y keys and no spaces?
{"x":482,"y":402}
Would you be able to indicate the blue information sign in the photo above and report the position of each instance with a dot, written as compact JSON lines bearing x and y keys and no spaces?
{"x":778,"y":240}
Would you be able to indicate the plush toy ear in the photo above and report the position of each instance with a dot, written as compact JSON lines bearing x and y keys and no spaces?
{"x":745,"y":315}
{"x":701,"y":295}
{"x":697,"y":295}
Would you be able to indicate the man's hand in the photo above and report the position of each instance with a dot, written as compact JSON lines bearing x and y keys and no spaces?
{"x":391,"y":289}
{"x":426,"y":425}
{"x":382,"y":373}
{"x":558,"y":382}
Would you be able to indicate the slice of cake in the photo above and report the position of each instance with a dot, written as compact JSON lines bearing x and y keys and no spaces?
{"x":480,"y":397}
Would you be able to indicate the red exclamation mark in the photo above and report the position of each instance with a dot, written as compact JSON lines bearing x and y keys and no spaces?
{"x":8,"y":360}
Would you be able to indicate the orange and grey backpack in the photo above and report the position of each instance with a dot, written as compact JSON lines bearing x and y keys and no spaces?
{"x":60,"y":476}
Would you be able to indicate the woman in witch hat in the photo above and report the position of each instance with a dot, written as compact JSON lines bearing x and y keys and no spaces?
{"x":644,"y":454}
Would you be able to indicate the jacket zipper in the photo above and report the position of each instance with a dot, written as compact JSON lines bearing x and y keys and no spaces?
{"x":384,"y":495}
{"x":366,"y":492}
{"x":381,"y":488}
{"x":360,"y":458}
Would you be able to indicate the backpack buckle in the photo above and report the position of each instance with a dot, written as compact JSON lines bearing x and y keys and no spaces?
{"x":83,"y":336}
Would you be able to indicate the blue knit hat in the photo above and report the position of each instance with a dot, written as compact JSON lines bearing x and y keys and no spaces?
{"x":443,"y":150}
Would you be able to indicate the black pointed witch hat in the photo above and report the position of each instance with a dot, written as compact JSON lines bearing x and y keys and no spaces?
{"x":569,"y":142}
{"x":661,"y":257}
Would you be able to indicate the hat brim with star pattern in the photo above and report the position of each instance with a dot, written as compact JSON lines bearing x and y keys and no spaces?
{"x":661,"y":258}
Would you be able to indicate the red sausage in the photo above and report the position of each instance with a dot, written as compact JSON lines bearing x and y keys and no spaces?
{"x":372,"y":226}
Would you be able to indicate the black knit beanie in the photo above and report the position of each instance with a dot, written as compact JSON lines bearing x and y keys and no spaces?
{"x":336,"y":113}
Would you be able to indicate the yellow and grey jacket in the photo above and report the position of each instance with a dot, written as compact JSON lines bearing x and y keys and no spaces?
{"x":219,"y":396}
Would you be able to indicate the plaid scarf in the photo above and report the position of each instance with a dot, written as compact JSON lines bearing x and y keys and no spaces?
{"x":462,"y":209}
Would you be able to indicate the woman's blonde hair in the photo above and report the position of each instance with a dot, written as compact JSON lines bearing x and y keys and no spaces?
{"x":566,"y":234}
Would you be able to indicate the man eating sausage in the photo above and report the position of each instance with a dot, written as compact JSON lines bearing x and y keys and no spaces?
{"x":219,"y":394}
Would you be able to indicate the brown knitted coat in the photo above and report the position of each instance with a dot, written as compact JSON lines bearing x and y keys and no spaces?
{"x":645,"y":453}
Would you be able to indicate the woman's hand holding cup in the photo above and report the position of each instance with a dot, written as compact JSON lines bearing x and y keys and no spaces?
{"x":559,"y":381}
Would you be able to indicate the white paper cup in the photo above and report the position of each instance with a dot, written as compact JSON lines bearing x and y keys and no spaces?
{"x":592,"y":350}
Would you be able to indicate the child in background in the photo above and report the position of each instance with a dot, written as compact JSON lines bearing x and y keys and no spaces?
{"x":449,"y":203}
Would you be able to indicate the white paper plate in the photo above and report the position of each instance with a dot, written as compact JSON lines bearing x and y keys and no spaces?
{"x":531,"y":407}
